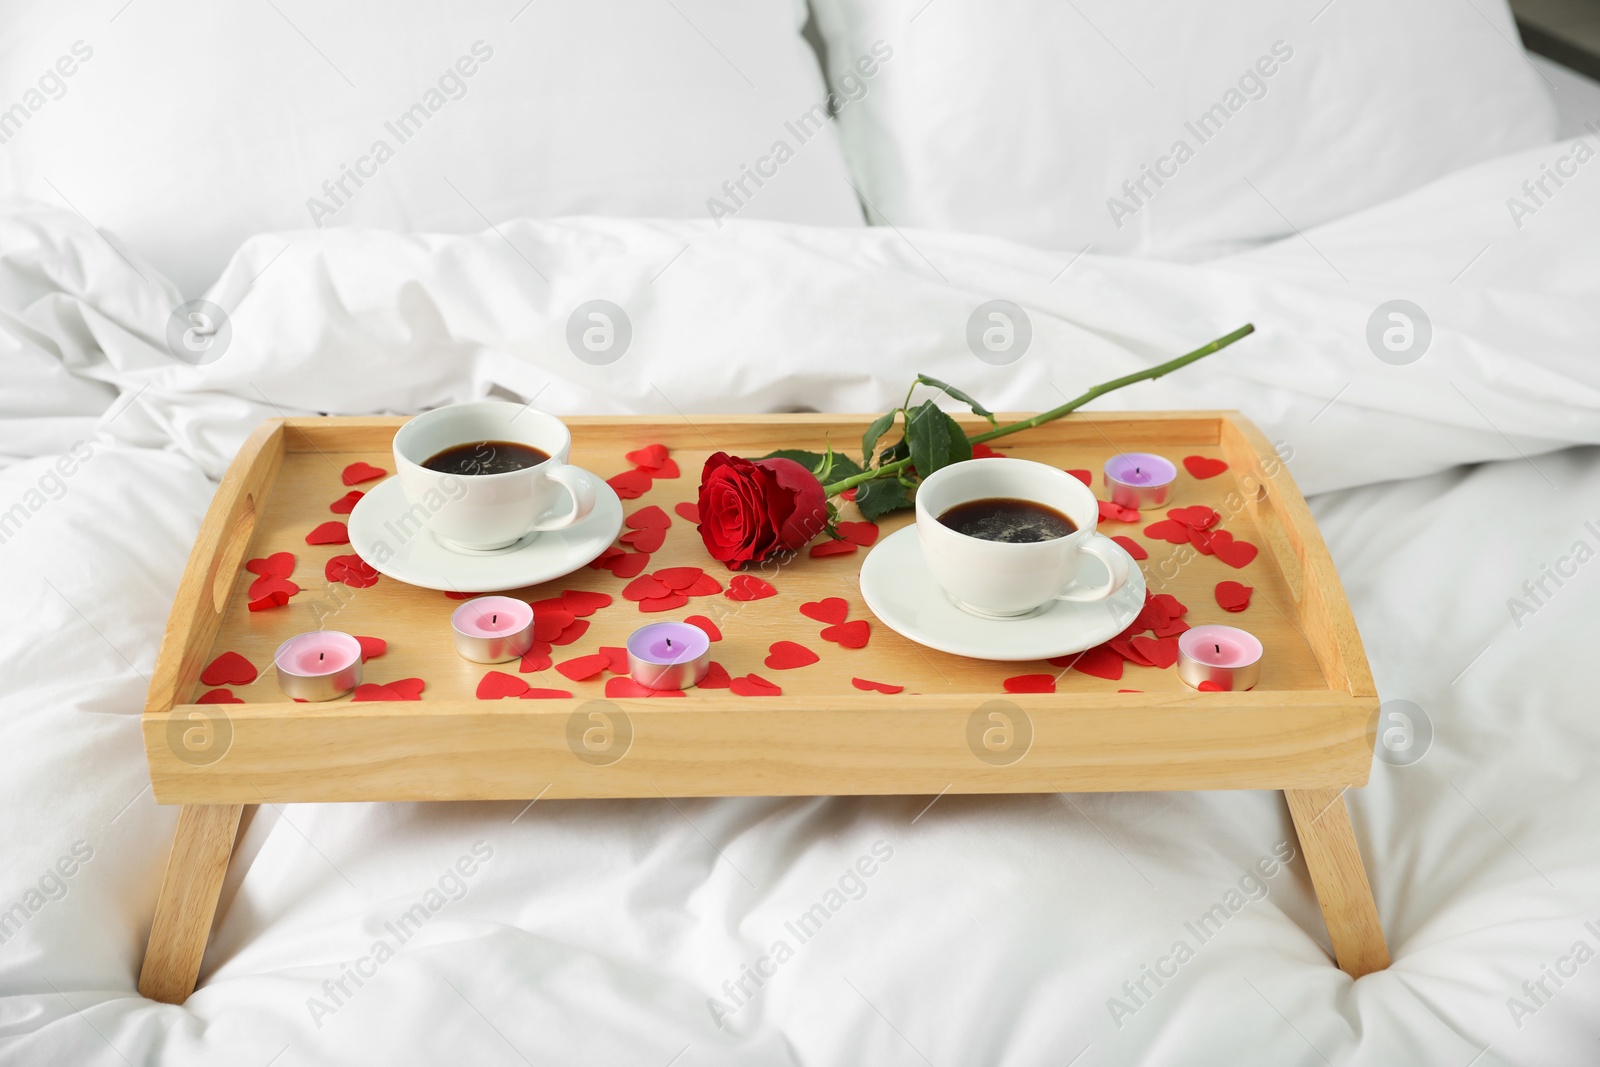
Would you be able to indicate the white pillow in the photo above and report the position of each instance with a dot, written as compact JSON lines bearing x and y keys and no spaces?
{"x":183,"y":127}
{"x":1024,"y":119}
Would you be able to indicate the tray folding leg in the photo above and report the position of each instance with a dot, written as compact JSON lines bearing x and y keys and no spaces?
{"x":201,"y":850}
{"x":1329,"y":843}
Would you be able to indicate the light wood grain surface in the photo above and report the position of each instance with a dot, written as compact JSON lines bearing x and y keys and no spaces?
{"x":1309,"y":724}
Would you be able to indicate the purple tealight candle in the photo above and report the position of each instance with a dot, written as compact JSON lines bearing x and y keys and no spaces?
{"x":669,"y":655}
{"x":1139,"y":479}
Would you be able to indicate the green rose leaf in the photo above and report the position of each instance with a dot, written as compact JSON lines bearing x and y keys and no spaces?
{"x":977,"y":408}
{"x":936,"y":440}
{"x":842,"y":467}
{"x":880,"y":497}
{"x":879,"y":427}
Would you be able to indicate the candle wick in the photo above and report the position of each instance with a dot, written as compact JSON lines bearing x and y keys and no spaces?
{"x":669,"y":642}
{"x":319,"y":655}
{"x":494,"y":619}
{"x":1138,"y":470}
{"x":1218,"y":648}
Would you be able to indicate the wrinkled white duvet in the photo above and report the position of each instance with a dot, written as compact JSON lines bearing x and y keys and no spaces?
{"x":1018,"y":930}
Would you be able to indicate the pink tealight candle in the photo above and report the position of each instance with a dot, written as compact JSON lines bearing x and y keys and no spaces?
{"x":1226,"y":656}
{"x":492,"y":629}
{"x":669,"y":655}
{"x":321,"y":665}
{"x":1139,"y":479}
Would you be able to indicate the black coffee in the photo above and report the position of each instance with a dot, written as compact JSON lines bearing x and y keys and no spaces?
{"x":485,"y":457}
{"x":1008,"y":519}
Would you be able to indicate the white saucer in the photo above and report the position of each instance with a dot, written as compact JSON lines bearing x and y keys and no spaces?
{"x":901,"y":591}
{"x":417,"y":558}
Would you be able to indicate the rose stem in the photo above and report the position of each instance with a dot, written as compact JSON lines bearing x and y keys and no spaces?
{"x":1040,"y":419}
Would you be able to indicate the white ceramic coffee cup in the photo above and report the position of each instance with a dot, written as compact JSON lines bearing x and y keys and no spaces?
{"x":487,"y":512}
{"x":1001,"y":579}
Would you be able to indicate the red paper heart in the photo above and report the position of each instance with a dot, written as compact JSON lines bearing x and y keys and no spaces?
{"x":1171,"y":629}
{"x":1169,"y":603}
{"x":1210,"y":687}
{"x":748,"y":587}
{"x":1196,"y":516}
{"x":1151,"y":614}
{"x":537,"y":658}
{"x":574,"y":630}
{"x":652,"y":456}
{"x":1201,"y":539}
{"x":630,"y":484}
{"x":849,"y":634}
{"x":549,"y":604}
{"x":858,"y":533}
{"x":668,"y":469}
{"x":275,"y":599}
{"x":583,"y":602}
{"x":1169,"y":530}
{"x":848,"y":494}
{"x":277,"y":565}
{"x":678,"y":578}
{"x":705,"y":624}
{"x":347,"y":503}
{"x":630,"y":564}
{"x":218,"y":696}
{"x":833,"y":609}
{"x":1101,"y":661}
{"x":608,"y":555}
{"x":1232,"y":596}
{"x":705,"y":585}
{"x":581,"y":668}
{"x":616,"y":658}
{"x":352,"y":570}
{"x":1031,"y":683}
{"x":1159,"y":651}
{"x":332,"y":532}
{"x":1130,"y":690}
{"x":716,"y":677}
{"x":372,"y":647}
{"x":1130,"y":546}
{"x":1235,"y":554}
{"x":1083,"y":476}
{"x":688,"y":510}
{"x":646,"y":587}
{"x":360,"y":471}
{"x":648,"y":517}
{"x":753,"y":685}
{"x":876,"y":687}
{"x":1201,"y":467}
{"x":670,"y":602}
{"x":268,"y":584}
{"x":373,"y":691}
{"x":408,"y":688}
{"x":1123,"y":646}
{"x":1110,"y":512}
{"x":627,"y":687}
{"x":546,"y":694}
{"x":549,"y":625}
{"x":498,"y":684}
{"x":453,"y":595}
{"x":787,"y":655}
{"x":649,"y":539}
{"x":833,"y":548}
{"x":229,"y":668}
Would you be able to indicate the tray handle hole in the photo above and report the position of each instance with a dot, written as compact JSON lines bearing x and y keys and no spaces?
{"x":236,"y":539}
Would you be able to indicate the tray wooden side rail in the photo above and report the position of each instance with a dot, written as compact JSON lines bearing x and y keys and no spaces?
{"x":1307,"y":729}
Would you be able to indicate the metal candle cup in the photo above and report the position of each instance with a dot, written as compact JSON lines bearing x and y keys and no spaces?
{"x":492,"y":629}
{"x":1139,"y":479}
{"x":669,"y":655}
{"x":1226,"y":656}
{"x":320,"y":665}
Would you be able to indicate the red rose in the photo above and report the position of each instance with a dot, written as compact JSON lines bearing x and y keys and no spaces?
{"x":753,"y":509}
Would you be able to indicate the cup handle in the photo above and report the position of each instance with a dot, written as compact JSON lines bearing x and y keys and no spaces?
{"x":579,"y":486}
{"x":1116,"y":561}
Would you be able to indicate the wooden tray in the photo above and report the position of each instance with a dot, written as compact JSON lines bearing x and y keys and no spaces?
{"x":1309,"y":724}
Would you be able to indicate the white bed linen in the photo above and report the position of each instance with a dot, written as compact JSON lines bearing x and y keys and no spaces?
{"x":999,"y":928}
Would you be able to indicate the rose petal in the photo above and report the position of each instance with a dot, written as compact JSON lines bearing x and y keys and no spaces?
{"x":360,"y":471}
